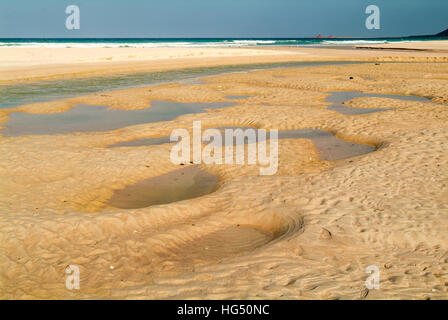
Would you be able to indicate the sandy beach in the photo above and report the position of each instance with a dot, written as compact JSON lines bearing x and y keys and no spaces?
{"x":307,"y":232}
{"x":37,"y":64}
{"x":438,"y":46}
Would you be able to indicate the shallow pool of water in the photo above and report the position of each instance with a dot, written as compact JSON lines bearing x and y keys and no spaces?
{"x":339,"y":97}
{"x":237,"y":97}
{"x":186,"y":183}
{"x":330,"y":148}
{"x":85,"y":118}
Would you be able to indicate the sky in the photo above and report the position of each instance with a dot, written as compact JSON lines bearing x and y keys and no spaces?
{"x":220,"y":18}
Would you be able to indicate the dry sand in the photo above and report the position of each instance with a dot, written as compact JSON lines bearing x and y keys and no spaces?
{"x":308,"y":232}
{"x":439,"y":45}
{"x":35,"y":64}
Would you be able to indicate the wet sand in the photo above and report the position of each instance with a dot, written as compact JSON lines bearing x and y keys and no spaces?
{"x":307,"y":232}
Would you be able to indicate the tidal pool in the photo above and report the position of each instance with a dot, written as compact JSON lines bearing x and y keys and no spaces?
{"x":330,"y":147}
{"x":84,"y":118}
{"x":339,"y":97}
{"x":237,"y":97}
{"x":186,"y":183}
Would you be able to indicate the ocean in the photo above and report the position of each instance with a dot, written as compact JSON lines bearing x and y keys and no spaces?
{"x":199,"y":42}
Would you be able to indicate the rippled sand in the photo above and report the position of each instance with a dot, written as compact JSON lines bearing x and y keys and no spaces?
{"x":308,"y":231}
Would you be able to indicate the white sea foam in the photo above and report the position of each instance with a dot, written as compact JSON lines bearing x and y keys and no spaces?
{"x":186,"y":43}
{"x":149,"y":44}
{"x":352,"y":42}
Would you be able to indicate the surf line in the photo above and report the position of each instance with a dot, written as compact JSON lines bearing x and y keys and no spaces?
{"x":212,"y":153}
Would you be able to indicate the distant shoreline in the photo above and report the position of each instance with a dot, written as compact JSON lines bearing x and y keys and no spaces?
{"x":29,"y":64}
{"x":199,"y":42}
{"x":428,"y":46}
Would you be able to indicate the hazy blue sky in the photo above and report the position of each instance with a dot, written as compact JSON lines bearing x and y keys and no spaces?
{"x":221,"y":18}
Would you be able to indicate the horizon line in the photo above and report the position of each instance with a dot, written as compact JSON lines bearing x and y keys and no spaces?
{"x":222,"y":38}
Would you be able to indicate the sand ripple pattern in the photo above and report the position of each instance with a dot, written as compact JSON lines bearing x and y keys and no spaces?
{"x":307,"y":232}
